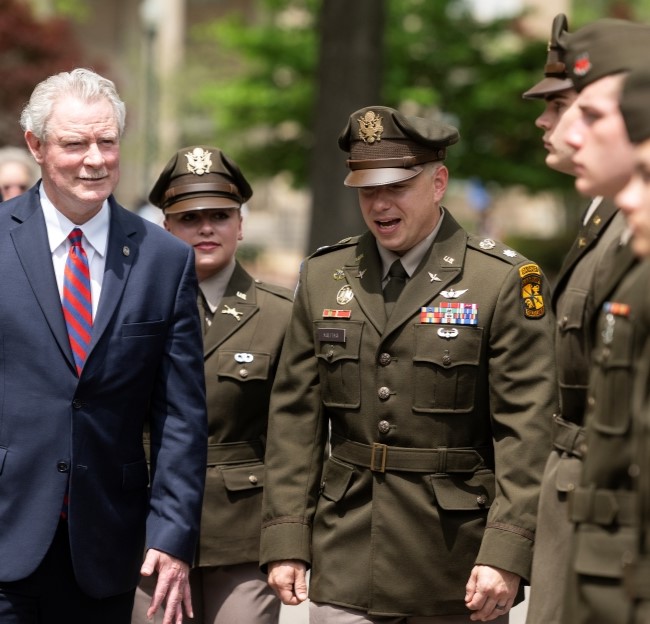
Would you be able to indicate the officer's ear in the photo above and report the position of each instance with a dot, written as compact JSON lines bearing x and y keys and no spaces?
{"x":440,"y":181}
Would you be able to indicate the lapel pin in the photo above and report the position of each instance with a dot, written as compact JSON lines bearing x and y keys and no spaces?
{"x":241,"y":295}
{"x":125,"y":251}
{"x":344,"y":295}
{"x":448,"y":259}
{"x":339,"y":274}
{"x":232,"y":311}
{"x":434,"y":277}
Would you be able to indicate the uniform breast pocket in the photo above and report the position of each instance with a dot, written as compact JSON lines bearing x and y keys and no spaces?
{"x":613,"y":360}
{"x":243,"y":366}
{"x":445,"y":367}
{"x":337,"y":350}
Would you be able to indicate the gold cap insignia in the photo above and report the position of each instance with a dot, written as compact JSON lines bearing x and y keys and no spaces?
{"x":370,"y":128}
{"x":199,"y":161}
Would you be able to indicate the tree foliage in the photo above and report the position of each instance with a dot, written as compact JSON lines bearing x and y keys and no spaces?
{"x":437,"y":60}
{"x":30,"y":50}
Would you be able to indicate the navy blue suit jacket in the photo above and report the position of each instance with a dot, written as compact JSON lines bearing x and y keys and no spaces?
{"x":145,"y":364}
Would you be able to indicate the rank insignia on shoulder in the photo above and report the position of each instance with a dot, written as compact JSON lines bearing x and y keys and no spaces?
{"x":531,"y":291}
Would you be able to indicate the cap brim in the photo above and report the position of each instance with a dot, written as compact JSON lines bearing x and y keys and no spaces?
{"x":201,"y":203}
{"x":380,"y":177}
{"x":547,"y":86}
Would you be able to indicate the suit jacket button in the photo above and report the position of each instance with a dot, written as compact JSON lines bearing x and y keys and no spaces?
{"x":383,"y":392}
{"x":385,"y":359}
{"x":482,"y":499}
{"x":77,"y":404}
{"x":383,"y":426}
{"x":62,"y":466}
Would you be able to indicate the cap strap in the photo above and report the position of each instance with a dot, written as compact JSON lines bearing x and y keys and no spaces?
{"x":405,"y":162}
{"x":204,"y":187}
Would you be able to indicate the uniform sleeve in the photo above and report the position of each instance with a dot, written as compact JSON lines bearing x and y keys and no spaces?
{"x":523,"y":398}
{"x":296,"y":431}
{"x":178,"y":424}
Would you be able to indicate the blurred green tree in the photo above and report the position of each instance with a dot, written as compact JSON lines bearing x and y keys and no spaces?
{"x":30,"y":50}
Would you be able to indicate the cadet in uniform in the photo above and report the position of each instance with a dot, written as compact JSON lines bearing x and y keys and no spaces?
{"x":201,"y":191}
{"x":572,"y":302}
{"x":634,"y":201}
{"x":601,"y":504}
{"x":438,"y":399}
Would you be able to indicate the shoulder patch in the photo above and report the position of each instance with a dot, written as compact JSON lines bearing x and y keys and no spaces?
{"x":342,"y":244}
{"x":279,"y":291}
{"x":496,"y":249}
{"x":531,"y":291}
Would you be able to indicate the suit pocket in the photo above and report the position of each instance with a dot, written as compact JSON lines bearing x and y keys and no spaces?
{"x":135,"y":476}
{"x":338,"y":345}
{"x":336,"y":479}
{"x":474,"y":493}
{"x":240,"y":478}
{"x":145,"y":328}
{"x":243,"y":365}
{"x":445,"y":369}
{"x":599,"y":552}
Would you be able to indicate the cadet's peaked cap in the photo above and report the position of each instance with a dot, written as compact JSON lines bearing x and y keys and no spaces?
{"x":556,"y":77}
{"x":634,"y":105}
{"x":606,"y":47}
{"x":387,"y":147}
{"x":199,"y":178}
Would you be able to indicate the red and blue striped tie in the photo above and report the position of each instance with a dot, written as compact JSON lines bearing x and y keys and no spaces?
{"x":77,"y":303}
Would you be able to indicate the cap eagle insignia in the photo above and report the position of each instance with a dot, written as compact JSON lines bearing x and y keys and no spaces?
{"x":199,"y":161}
{"x":370,"y":128}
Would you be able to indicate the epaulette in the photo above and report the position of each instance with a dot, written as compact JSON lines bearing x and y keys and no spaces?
{"x":496,"y":249}
{"x":280,"y":291}
{"x":346,"y":242}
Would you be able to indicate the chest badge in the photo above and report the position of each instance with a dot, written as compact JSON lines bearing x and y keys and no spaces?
{"x":344,"y":295}
{"x":434,"y":277}
{"x":453,"y":294}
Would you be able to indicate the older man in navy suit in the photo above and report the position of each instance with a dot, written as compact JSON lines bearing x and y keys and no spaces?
{"x":99,"y":339}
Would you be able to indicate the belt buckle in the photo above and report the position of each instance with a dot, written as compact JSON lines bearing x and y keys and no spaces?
{"x":378,"y":457}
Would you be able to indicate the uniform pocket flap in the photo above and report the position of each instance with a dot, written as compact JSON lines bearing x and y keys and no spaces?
{"x":448,"y":345}
{"x":135,"y":475}
{"x":336,"y":479}
{"x":568,"y":472}
{"x":239,"y":478}
{"x":243,"y":366}
{"x":456,"y":494}
{"x":573,"y":309}
{"x":337,"y":340}
{"x":600,"y":553}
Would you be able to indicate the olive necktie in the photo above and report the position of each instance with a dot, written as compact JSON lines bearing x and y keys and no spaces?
{"x":397,"y":277}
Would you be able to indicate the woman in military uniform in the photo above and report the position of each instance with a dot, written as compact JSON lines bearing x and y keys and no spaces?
{"x":201,"y":191}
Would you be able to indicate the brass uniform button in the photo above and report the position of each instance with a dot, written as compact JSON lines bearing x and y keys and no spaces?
{"x":253,"y":479}
{"x":383,"y":393}
{"x":446,"y":359}
{"x":383,"y":426}
{"x":243,"y":373}
{"x":481,"y":499}
{"x":385,"y":359}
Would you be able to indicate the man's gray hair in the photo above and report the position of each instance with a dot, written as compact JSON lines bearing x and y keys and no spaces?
{"x":81,"y":83}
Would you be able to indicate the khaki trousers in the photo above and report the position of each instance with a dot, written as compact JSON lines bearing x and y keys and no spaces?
{"x":222,"y":595}
{"x":331,"y":614}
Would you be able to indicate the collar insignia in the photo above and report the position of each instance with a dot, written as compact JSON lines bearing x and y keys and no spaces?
{"x":232,"y":311}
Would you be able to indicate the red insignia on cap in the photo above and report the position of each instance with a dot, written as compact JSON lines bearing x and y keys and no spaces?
{"x":582,"y":65}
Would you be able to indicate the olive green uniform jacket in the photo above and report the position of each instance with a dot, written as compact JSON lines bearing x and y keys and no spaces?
{"x":241,"y":351}
{"x":439,"y":432}
{"x":603,"y":505}
{"x":574,"y":306}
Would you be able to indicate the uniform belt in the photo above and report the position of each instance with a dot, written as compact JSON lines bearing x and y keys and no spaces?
{"x":635,"y":578}
{"x":567,"y":436}
{"x":603,"y":507}
{"x":381,"y":457}
{"x":235,"y":452}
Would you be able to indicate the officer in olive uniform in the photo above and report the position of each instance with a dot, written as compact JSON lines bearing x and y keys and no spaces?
{"x":439,"y":401}
{"x":634,"y":202}
{"x":572,"y":302}
{"x":601,"y":504}
{"x":201,"y":191}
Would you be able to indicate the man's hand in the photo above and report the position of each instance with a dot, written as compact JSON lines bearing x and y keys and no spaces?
{"x":172,"y":586}
{"x":288,"y":579}
{"x":490,"y":592}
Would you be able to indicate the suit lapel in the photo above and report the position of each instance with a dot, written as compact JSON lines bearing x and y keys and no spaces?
{"x":33,"y":248}
{"x":587,"y":237}
{"x":237,"y":307}
{"x":121,"y":252}
{"x":441,"y":265}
